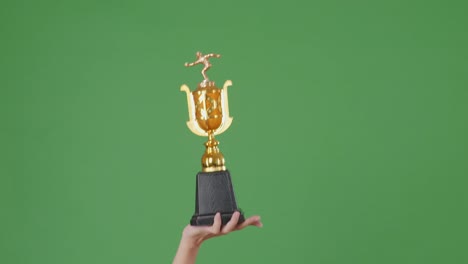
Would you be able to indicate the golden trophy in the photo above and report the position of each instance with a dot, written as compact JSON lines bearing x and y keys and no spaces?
{"x":209,"y":116}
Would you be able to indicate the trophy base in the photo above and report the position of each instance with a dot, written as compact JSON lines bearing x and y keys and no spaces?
{"x":207,"y":220}
{"x":214,"y":194}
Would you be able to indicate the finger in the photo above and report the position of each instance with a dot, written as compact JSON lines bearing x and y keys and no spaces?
{"x":231,"y":225}
{"x":251,"y":221}
{"x":216,"y":227}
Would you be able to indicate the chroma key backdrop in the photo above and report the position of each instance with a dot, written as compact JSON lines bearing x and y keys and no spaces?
{"x":349,"y":137}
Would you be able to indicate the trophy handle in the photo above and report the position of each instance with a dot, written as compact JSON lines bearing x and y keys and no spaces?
{"x":192,"y":123}
{"x":227,"y":120}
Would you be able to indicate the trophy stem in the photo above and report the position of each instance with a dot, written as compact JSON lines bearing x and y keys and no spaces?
{"x":212,"y":159}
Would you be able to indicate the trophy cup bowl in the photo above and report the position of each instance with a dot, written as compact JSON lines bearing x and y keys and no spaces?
{"x":208,"y":108}
{"x":209,"y":116}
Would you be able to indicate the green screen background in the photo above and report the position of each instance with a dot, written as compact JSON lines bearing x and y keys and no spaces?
{"x":349,"y":135}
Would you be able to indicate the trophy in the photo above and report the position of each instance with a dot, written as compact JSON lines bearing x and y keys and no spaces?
{"x":209,"y":116}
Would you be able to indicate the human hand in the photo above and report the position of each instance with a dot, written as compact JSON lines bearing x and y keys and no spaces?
{"x":186,"y":64}
{"x":195,"y":235}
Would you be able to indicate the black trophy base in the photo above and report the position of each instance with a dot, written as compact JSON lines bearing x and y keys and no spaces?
{"x":207,"y":220}
{"x":214,"y":194}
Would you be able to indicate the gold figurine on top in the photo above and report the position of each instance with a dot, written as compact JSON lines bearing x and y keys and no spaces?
{"x":203,"y":59}
{"x":208,"y":113}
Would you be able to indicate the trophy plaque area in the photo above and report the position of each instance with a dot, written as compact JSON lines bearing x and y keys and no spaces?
{"x":214,"y":193}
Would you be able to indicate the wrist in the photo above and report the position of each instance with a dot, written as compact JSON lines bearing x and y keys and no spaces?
{"x":187,"y":251}
{"x":190,"y":242}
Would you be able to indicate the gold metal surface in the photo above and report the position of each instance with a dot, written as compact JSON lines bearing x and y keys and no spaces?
{"x":208,"y":114}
